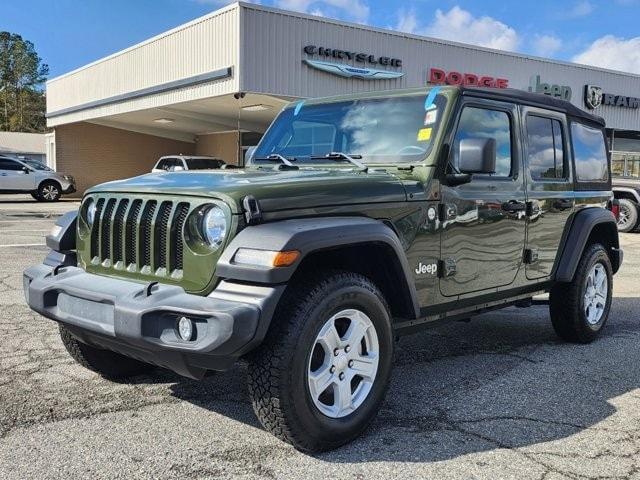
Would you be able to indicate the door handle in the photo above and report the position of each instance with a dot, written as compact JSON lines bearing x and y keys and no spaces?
{"x":3,"y":174}
{"x":514,"y":206}
{"x":563,"y":204}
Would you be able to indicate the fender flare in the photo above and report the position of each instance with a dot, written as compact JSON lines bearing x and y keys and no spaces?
{"x":576,"y":240}
{"x":63,"y":238}
{"x":630,"y":190}
{"x":309,"y":235}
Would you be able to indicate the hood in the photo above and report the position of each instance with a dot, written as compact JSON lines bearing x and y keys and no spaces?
{"x":274,"y":189}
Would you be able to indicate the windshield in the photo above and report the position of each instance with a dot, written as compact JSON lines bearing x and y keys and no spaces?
{"x":36,"y":165}
{"x":380,"y":130}
{"x":203,"y":163}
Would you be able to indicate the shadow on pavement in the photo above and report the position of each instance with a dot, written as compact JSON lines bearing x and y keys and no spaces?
{"x":502,"y":381}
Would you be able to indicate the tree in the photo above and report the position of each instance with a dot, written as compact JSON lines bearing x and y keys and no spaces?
{"x":22,"y":77}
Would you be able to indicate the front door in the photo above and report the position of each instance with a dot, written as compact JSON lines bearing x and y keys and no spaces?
{"x":14,"y":177}
{"x":484,"y":221}
{"x":549,"y":185}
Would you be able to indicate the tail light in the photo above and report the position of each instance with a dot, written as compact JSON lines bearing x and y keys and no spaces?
{"x":614,"y":206}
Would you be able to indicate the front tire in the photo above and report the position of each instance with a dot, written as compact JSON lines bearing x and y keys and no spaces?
{"x":628,"y":216}
{"x":109,"y":364}
{"x":321,"y":374}
{"x":580,"y":309}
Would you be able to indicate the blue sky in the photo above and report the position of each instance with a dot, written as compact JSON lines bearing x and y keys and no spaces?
{"x":71,"y":33}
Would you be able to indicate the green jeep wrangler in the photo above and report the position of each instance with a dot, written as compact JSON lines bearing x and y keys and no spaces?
{"x":358,"y":219}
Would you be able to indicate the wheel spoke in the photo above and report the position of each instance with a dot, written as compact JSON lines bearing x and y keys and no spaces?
{"x":356,"y":331}
{"x":343,"y":400}
{"x":365,"y":366}
{"x":320,"y":380}
{"x":329,"y":338}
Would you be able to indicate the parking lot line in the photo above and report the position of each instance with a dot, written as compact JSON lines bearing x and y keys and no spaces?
{"x":24,"y":245}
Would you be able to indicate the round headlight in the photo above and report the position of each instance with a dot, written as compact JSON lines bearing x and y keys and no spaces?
{"x":91,"y":211}
{"x":214,"y":227}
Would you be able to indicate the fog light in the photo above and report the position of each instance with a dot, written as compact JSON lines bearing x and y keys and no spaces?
{"x":185,"y":328}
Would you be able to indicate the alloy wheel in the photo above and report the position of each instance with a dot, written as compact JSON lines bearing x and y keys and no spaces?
{"x":343,"y":363}
{"x":49,"y":192}
{"x":596,"y":292}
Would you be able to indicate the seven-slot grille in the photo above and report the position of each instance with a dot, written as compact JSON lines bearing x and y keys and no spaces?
{"x":139,"y":235}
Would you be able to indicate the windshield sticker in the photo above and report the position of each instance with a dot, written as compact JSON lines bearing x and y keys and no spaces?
{"x":298,"y":108}
{"x":428,"y":102}
{"x":424,"y":134}
{"x":431,"y":117}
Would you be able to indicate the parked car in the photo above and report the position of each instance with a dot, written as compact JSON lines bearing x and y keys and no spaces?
{"x":627,"y":190}
{"x":361,"y":218}
{"x":19,"y":175}
{"x":178,"y":163}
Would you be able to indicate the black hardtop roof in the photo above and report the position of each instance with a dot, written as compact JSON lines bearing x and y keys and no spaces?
{"x":533,"y":99}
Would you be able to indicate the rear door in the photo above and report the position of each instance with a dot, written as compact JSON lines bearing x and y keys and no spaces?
{"x":484,"y":221}
{"x":14,"y":177}
{"x":549,"y":188}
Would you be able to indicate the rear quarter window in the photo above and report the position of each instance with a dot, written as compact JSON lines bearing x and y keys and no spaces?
{"x":590,"y":154}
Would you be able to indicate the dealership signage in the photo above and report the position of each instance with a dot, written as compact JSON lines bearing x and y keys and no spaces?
{"x":360,"y":57}
{"x":442,"y":77}
{"x":536,"y":85}
{"x":594,"y":96}
{"x":365,"y":72}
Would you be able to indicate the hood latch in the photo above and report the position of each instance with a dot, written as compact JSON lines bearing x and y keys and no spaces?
{"x":252,"y":211}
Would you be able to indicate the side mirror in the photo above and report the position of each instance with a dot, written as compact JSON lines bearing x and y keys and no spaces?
{"x":26,"y":170}
{"x":477,"y":155}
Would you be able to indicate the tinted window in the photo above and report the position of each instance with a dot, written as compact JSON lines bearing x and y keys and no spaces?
{"x":203,"y":163}
{"x":168,"y":164}
{"x":590,"y":153}
{"x":545,"y":148}
{"x":483,"y":123}
{"x":6,"y":164}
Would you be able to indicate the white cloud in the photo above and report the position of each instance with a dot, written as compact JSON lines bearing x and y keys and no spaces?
{"x":546,"y":45}
{"x":581,"y":9}
{"x":460,"y":25}
{"x":614,"y":53}
{"x":356,"y":10}
{"x":407,"y":21}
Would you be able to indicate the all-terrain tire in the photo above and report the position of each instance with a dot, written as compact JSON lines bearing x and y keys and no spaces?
{"x":278,"y":369}
{"x":109,"y":364}
{"x":628,"y":217}
{"x":568,"y":301}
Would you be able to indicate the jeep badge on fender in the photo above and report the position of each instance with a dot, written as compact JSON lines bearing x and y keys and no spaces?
{"x":310,"y":261}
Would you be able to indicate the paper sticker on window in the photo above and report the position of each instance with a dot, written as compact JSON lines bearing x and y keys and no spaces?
{"x":424,"y":134}
{"x":431,"y":117}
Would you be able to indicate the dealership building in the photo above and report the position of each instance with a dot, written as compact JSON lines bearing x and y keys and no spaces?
{"x":213,"y":85}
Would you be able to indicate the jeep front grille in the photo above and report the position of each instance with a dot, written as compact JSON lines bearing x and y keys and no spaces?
{"x":139,"y":235}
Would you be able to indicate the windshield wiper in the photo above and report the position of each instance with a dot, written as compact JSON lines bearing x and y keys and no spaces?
{"x":337,"y":156}
{"x":276,"y":157}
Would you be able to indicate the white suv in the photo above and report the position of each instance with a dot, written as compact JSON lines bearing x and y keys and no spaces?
{"x":18,"y":175}
{"x":178,"y":163}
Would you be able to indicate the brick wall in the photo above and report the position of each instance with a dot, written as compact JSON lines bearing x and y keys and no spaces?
{"x":95,"y":154}
{"x":220,"y":145}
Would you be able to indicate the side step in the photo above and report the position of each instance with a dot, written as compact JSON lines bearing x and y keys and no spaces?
{"x":530,"y":302}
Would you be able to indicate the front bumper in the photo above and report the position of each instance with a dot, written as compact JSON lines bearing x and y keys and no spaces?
{"x":139,"y":320}
{"x":70,"y":189}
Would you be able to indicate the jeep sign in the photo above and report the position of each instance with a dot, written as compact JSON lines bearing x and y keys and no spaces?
{"x":551,"y":89}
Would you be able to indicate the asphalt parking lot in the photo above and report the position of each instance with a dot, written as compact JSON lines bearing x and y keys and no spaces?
{"x":499,"y":397}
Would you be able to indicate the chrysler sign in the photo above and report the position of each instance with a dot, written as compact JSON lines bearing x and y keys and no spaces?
{"x":359,"y":57}
{"x":348,"y":70}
